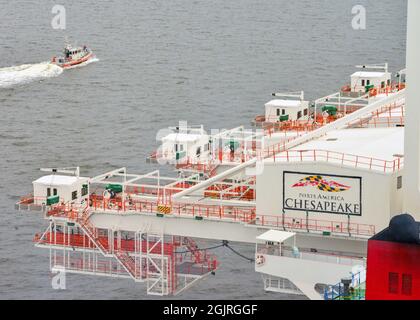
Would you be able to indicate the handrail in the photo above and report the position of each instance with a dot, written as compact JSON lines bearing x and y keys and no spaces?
{"x":292,"y":223}
{"x":346,"y":159}
{"x":235,"y":214}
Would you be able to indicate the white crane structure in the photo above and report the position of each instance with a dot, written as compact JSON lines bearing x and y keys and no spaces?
{"x":307,"y":199}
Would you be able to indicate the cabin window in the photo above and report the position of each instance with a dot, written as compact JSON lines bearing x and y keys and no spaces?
{"x":176,"y":147}
{"x":283,"y":112}
{"x":383,"y":84}
{"x":181,"y":147}
{"x":48,"y":192}
{"x":399,"y":182}
{"x":406,"y":284}
{"x":278,"y":112}
{"x":74,"y":195}
{"x":388,"y":82}
{"x":54,"y":191}
{"x":363,"y":82}
{"x":198,"y":151}
{"x":299,"y":114}
{"x":367,"y":82}
{"x":393,"y":282}
{"x":84,"y":190}
{"x":305,"y":112}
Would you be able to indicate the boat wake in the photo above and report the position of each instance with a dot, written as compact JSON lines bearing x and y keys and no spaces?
{"x":17,"y":75}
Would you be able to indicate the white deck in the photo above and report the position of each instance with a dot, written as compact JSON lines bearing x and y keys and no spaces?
{"x":378,"y":143}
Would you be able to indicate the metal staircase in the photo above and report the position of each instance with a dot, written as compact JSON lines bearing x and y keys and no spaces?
{"x":123,"y":257}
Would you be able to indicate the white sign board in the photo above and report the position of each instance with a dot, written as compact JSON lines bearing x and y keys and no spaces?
{"x":314,"y":192}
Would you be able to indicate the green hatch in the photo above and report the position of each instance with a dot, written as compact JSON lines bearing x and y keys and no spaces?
{"x":331,"y":110}
{"x":284,"y":117}
{"x":368,"y":87}
{"x":52,"y":200}
{"x":114,"y":187}
{"x":180,"y":155}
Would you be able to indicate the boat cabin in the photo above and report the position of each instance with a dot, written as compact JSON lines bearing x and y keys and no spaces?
{"x":187,"y":147}
{"x":52,"y":189}
{"x":74,"y":52}
{"x":283,"y":110}
{"x":362,"y":81}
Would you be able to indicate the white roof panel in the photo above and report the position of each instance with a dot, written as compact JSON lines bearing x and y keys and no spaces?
{"x":182,"y":137}
{"x":284,"y":103}
{"x":57,"y":180}
{"x":276,"y":236}
{"x":368,"y":74}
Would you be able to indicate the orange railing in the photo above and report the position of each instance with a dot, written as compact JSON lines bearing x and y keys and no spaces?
{"x":296,"y":126}
{"x":379,"y":122}
{"x":30,"y":199}
{"x":193,"y":210}
{"x":340,"y":227}
{"x":241,"y":215}
{"x":340,"y":158}
{"x":389,"y":109}
{"x":387,"y":116}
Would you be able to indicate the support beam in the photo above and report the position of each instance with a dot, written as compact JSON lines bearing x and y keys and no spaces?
{"x":97,"y":179}
{"x":219,"y":230}
{"x":411,"y":182}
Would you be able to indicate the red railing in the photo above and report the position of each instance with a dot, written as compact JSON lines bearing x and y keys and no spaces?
{"x":297,"y":126}
{"x":291,"y":223}
{"x":241,"y":215}
{"x":83,"y":241}
{"x":30,"y":199}
{"x":379,"y":122}
{"x":193,"y":210}
{"x":387,"y":116}
{"x":390,"y":109}
{"x":340,"y":158}
{"x":79,"y":264}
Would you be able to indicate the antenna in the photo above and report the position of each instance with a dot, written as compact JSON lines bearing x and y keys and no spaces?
{"x":296,"y":94}
{"x":383,"y":66}
{"x":69,"y":170}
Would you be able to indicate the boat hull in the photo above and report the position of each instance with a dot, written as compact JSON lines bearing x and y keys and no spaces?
{"x":69,"y":64}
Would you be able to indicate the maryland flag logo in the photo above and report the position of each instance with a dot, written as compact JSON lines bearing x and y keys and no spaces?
{"x":321,"y":184}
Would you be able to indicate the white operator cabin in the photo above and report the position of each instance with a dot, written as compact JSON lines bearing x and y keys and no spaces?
{"x":53,"y":189}
{"x":282,"y":110}
{"x":336,"y":179}
{"x":185,"y":147}
{"x":361,"y":79}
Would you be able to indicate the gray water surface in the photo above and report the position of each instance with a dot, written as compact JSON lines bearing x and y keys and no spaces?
{"x":207,"y":62}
